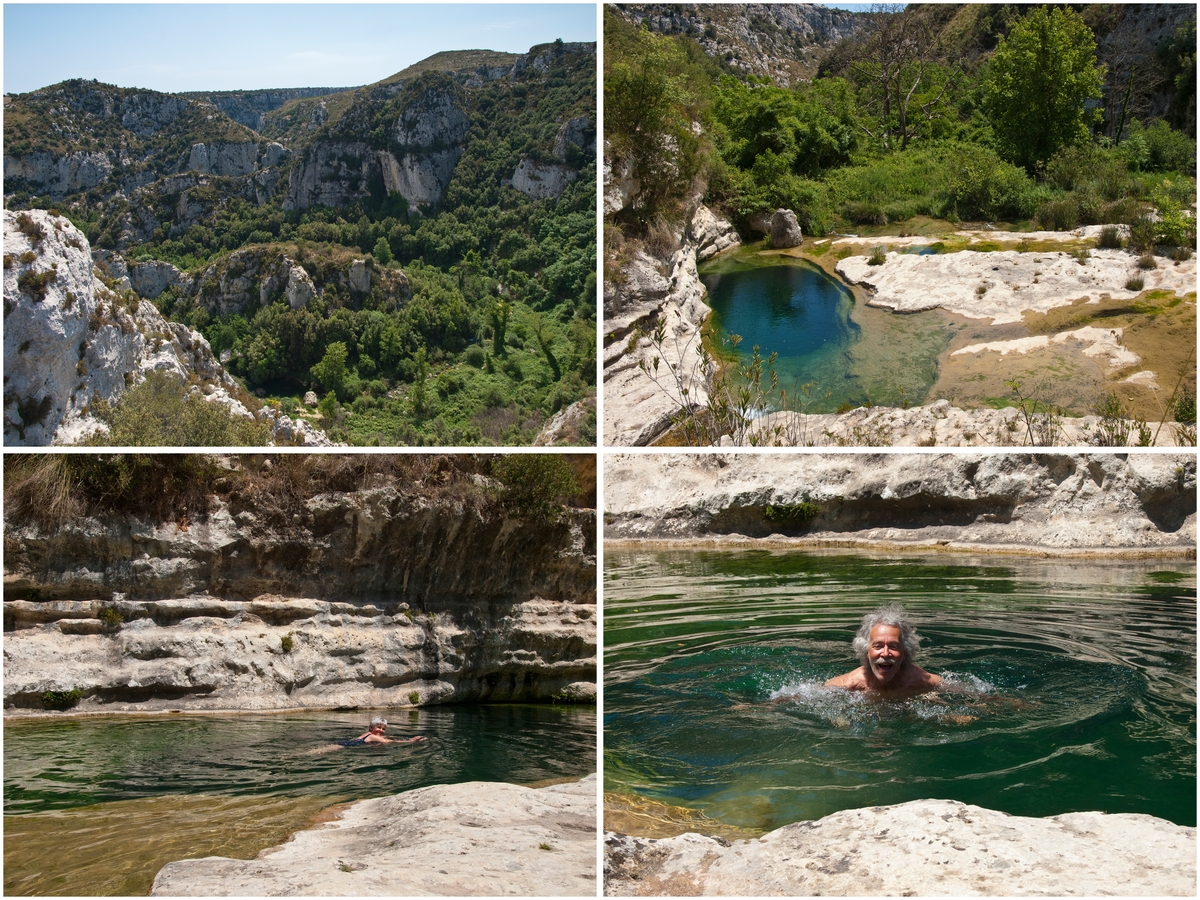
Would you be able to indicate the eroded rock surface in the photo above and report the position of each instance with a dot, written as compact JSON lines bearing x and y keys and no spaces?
{"x":385,"y":598}
{"x":1001,"y":285}
{"x":921,"y":848}
{"x":69,"y":338}
{"x":1050,"y":503}
{"x":473,"y":839}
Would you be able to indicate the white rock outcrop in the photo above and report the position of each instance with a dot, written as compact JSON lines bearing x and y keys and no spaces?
{"x":780,"y":226}
{"x":69,"y":338}
{"x":1001,"y":285}
{"x":922,"y":848}
{"x":472,"y":839}
{"x":540,"y":181}
{"x":1049,"y":503}
{"x":712,"y":234}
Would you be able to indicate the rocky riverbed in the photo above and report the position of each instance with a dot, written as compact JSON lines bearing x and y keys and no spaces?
{"x":1025,"y":308}
{"x":473,"y":839}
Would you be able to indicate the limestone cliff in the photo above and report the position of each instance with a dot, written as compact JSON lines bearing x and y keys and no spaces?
{"x":74,"y":333}
{"x":389,"y":595}
{"x":1052,"y":503}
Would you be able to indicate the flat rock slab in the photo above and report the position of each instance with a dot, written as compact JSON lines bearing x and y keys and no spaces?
{"x":921,"y":848}
{"x":1002,"y":285}
{"x":472,"y":839}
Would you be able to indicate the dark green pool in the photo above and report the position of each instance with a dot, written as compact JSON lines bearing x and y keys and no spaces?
{"x":98,"y":805}
{"x":1077,"y":685}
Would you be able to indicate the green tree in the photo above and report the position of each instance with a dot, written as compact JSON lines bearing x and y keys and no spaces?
{"x":330,"y":372}
{"x":382,"y":251}
{"x":1036,"y":88}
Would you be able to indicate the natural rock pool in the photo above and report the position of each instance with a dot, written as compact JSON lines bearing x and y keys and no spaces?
{"x":95,"y":806}
{"x":845,"y":352}
{"x":1077,"y":685}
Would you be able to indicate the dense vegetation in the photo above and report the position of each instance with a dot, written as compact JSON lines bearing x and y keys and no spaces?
{"x":51,"y":490}
{"x":1007,"y":118}
{"x":495,"y":330}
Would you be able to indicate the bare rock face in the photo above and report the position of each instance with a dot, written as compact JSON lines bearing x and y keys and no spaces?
{"x":223,"y":158}
{"x":1054,"y":503}
{"x":712,"y":235}
{"x":374,"y":598}
{"x":70,"y":338}
{"x":578,"y":132}
{"x":620,"y":184}
{"x":922,"y":848}
{"x":519,"y":841}
{"x":539,"y":181}
{"x":78,"y":171}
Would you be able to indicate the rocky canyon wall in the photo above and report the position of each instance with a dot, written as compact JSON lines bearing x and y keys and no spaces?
{"x":377,"y":597}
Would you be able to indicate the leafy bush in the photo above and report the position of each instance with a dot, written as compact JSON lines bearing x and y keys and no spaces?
{"x":111,"y":618}
{"x":35,"y":284}
{"x":61,"y":699}
{"x":160,"y":413}
{"x":1058,"y":215}
{"x":792,"y":515}
{"x":536,"y":485}
{"x":286,"y":643}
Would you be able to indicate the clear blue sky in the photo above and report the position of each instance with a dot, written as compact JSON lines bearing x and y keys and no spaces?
{"x":229,"y":46}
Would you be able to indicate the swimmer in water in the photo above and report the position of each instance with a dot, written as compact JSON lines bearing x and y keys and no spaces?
{"x":374,"y":735}
{"x":886,"y":644}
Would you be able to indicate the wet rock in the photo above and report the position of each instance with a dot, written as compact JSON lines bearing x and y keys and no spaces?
{"x":921,"y":848}
{"x":472,"y":839}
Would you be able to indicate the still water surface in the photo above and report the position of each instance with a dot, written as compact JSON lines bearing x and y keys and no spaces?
{"x":95,"y":806}
{"x":843,"y":352}
{"x":1076,"y":685}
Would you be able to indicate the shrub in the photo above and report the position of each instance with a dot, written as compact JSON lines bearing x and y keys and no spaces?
{"x":1184,"y":409}
{"x":414,"y":698}
{"x":1147,"y":261}
{"x":61,"y":699}
{"x":111,"y":619}
{"x":1181,"y":254}
{"x":475,"y":356}
{"x":536,"y":486}
{"x":860,"y":213}
{"x":35,"y":284}
{"x":1135,"y":283}
{"x":1143,"y":232}
{"x":30,"y":228}
{"x":1058,"y":215}
{"x":160,"y":413}
{"x":1110,"y":238}
{"x":286,"y":643}
{"x":878,"y":257}
{"x":792,"y":515}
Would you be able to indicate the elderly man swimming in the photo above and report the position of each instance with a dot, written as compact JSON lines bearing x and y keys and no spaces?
{"x":886,"y":643}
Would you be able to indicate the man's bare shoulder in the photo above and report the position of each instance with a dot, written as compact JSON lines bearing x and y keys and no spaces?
{"x":919,"y":678}
{"x":855,"y":681}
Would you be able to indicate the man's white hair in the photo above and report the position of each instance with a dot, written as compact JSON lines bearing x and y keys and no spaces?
{"x":887,"y":615}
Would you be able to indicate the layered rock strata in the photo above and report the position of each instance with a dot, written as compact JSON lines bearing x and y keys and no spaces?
{"x":373,"y":598}
{"x":922,"y":848}
{"x":1052,"y":503}
{"x":472,"y":839}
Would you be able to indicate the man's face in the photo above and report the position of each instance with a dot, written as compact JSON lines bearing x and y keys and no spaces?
{"x":885,"y":653}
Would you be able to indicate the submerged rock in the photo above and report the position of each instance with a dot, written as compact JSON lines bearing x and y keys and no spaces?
{"x":922,"y":848}
{"x":473,"y":839}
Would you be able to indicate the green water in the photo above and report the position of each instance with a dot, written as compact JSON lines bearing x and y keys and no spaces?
{"x":843,"y":353}
{"x":1076,"y":685}
{"x":98,"y":805}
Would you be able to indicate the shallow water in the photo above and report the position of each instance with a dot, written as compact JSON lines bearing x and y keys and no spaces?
{"x":1075,"y":685}
{"x":845,"y":352}
{"x":97,"y":805}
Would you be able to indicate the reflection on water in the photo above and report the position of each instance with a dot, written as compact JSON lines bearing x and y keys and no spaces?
{"x":98,"y":805}
{"x":1071,"y":686}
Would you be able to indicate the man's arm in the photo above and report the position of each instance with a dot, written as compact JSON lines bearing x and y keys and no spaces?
{"x":852,"y":680}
